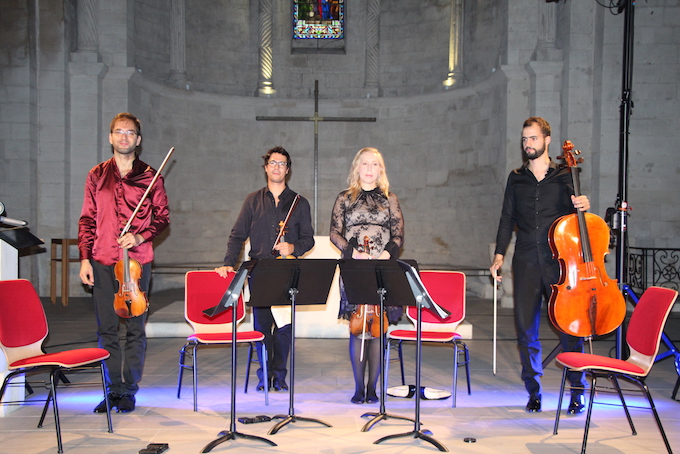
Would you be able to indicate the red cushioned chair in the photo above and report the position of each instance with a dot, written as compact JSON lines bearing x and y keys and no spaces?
{"x":643,"y":337}
{"x":447,"y":289}
{"x":23,"y":328}
{"x":204,"y":290}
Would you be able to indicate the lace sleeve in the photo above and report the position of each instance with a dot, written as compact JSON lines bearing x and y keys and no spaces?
{"x":338,"y":226}
{"x":396,"y":227}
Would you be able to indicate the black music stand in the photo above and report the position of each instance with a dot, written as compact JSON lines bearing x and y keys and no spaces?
{"x":230,"y":299}
{"x":377,"y":282}
{"x":19,"y":238}
{"x":423,"y":299}
{"x":305,"y":282}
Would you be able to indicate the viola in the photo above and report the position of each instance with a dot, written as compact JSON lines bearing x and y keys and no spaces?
{"x":586,"y":301}
{"x":129,"y":301}
{"x":366,"y":318}
{"x":283,"y":229}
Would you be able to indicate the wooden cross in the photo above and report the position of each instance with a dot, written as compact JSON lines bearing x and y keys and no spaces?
{"x":316,"y":119}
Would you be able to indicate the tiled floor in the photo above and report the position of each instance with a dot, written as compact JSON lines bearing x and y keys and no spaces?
{"x":493,"y":415}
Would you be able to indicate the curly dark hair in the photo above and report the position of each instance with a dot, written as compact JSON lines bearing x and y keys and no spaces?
{"x":279,"y":150}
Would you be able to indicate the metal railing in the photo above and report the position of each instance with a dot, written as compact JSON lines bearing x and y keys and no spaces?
{"x":653,"y":266}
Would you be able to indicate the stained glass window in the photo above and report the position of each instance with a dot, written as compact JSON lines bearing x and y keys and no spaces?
{"x":318,"y":19}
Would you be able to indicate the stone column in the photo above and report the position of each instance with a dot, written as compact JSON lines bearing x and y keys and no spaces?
{"x":265,"y":84}
{"x":545,"y":70}
{"x":455,"y":75}
{"x":371,"y":78}
{"x":87,"y":26}
{"x":545,"y":47}
{"x":178,"y":69}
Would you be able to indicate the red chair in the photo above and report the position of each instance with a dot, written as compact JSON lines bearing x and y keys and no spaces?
{"x":643,"y":337}
{"x":23,"y":328}
{"x":447,"y":289}
{"x":204,"y":290}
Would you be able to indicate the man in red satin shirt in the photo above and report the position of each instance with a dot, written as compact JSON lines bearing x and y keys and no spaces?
{"x":113,"y":190}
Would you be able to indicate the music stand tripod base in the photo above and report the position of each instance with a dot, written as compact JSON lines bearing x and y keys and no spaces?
{"x":414,"y":434}
{"x":292,"y":418}
{"x":227,"y":435}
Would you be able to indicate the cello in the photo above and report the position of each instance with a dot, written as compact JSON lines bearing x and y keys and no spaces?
{"x":129,"y":301}
{"x":585,"y":302}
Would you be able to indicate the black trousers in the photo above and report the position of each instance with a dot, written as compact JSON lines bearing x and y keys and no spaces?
{"x":277,"y":340}
{"x":531,"y":285}
{"x":125,"y":366}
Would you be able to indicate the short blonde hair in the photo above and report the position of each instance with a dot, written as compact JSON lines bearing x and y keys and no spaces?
{"x":353,"y":182}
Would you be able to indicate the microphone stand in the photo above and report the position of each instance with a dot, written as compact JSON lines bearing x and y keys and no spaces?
{"x":624,"y":132}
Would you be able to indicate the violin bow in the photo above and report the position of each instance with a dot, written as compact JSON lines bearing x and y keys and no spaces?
{"x":285,"y":221}
{"x":495,"y":318}
{"x":146,"y":193}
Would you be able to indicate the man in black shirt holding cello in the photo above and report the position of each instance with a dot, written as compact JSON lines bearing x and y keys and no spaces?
{"x":536,"y":195}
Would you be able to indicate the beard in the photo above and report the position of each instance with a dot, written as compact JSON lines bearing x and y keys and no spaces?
{"x":536,"y":153}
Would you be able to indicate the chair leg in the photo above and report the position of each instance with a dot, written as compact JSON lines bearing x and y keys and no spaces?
{"x":466,"y":357}
{"x":180,"y":374}
{"x":386,"y":377}
{"x":108,"y":404}
{"x":251,"y":347}
{"x":454,"y":389}
{"x":194,"y":371}
{"x":559,"y":401}
{"x":265,"y":372}
{"x":590,"y":413}
{"x":55,"y":409}
{"x":675,"y":389}
{"x":615,"y":382}
{"x":401,"y":363}
{"x":467,"y":367}
{"x":44,"y":411}
{"x":656,"y":416}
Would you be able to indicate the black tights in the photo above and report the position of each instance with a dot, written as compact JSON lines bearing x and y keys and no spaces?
{"x":372,"y":358}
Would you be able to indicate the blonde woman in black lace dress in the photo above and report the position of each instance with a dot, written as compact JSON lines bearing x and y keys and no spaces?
{"x":366,"y":224}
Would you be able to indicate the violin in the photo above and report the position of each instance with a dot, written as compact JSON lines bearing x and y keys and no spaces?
{"x":586,"y":301}
{"x":129,"y":301}
{"x":283,"y":228}
{"x":366,"y":318}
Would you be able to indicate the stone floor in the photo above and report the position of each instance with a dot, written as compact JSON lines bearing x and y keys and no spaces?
{"x":493,"y":415}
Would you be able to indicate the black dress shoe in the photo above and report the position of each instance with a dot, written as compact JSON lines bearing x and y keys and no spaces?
{"x":577,"y":404}
{"x":260,"y":385}
{"x":126,"y":404}
{"x":113,"y":402}
{"x":534,"y":405}
{"x":280,"y":384}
